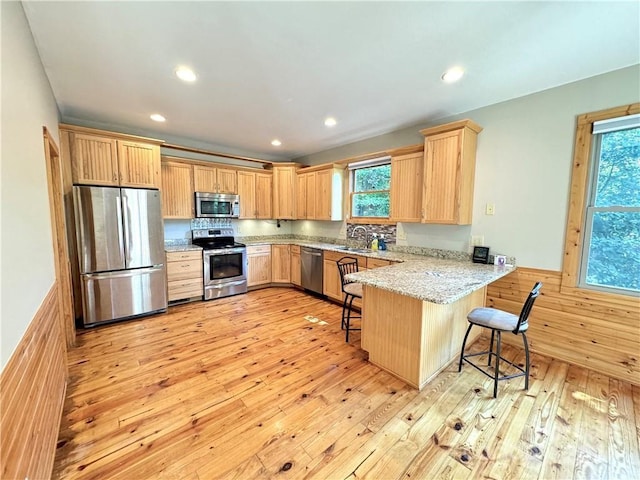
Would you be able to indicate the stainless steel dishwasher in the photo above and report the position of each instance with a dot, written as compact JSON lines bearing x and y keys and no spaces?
{"x":311,"y":269}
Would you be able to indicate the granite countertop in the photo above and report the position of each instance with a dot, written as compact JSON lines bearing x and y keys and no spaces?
{"x":181,"y":247}
{"x":432,"y":279}
{"x":382,"y":254}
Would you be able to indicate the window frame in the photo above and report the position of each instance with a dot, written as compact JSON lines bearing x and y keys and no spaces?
{"x":353,"y":168}
{"x":580,"y":191}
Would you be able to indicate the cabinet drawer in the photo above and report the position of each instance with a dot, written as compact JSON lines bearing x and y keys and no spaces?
{"x":185,"y":289}
{"x":253,"y":249}
{"x":189,"y":269}
{"x":295,"y":249}
{"x":333,"y":256}
{"x":180,"y":256}
{"x":377,"y":262}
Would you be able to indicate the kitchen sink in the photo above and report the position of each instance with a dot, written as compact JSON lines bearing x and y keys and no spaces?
{"x":353,"y":249}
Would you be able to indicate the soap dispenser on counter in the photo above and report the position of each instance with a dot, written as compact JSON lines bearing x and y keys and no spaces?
{"x":382,"y":245}
{"x":374,"y":242}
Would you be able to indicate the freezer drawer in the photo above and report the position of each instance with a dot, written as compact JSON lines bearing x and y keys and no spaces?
{"x":124,"y":294}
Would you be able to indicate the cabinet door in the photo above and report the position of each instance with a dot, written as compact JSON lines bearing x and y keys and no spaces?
{"x":259,"y":265}
{"x":204,"y":179}
{"x":323,"y":195}
{"x":227,"y":180}
{"x":247,"y":192}
{"x":331,"y":285}
{"x":295,"y":268}
{"x":301,"y":196}
{"x":94,"y":160}
{"x":263,"y":196}
{"x":284,"y":192}
{"x":442,"y":159}
{"x":406,"y":187}
{"x":177,"y":190}
{"x":139,"y":164}
{"x":280,"y":264}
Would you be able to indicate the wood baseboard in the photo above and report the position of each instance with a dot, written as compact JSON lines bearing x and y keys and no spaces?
{"x":589,"y":329}
{"x":33,"y":386}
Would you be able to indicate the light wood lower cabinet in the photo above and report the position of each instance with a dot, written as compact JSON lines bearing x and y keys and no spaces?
{"x":184,"y":275}
{"x":280,"y":264}
{"x":296,"y":278}
{"x":259,"y":265}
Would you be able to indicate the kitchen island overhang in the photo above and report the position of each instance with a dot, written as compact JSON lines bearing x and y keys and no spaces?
{"x":415,"y":313}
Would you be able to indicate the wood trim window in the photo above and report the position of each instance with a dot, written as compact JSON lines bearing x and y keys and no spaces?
{"x":580,"y":191}
{"x":370,"y":190}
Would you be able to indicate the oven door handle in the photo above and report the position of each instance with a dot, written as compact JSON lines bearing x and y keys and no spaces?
{"x":227,"y":284}
{"x":225,"y":251}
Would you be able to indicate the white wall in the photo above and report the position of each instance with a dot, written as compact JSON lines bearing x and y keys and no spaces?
{"x":181,"y":229}
{"x":26,"y":251}
{"x":524,"y":160}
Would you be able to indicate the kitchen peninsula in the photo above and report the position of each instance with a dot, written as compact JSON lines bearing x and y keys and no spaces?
{"x":414,"y":313}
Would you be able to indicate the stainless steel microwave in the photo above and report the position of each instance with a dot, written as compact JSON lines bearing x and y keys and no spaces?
{"x":217,"y":205}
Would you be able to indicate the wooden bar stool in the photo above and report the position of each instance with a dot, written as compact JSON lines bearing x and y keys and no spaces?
{"x":499,"y":321}
{"x":350,"y":290}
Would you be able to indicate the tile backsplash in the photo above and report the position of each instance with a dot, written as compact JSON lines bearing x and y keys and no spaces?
{"x":389,"y":232}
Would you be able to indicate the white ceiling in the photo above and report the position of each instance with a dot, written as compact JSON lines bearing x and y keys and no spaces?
{"x":277,"y":69}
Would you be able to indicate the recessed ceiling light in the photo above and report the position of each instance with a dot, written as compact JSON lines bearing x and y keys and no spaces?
{"x":330,"y":122}
{"x":186,"y":74}
{"x":453,"y":75}
{"x":156,"y":117}
{"x":276,"y":143}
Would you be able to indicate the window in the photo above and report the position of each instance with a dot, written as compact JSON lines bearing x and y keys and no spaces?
{"x":602,"y":246}
{"x":611,"y":242}
{"x":370,"y":181}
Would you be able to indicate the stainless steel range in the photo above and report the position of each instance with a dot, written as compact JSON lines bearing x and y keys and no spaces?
{"x":225,"y":262}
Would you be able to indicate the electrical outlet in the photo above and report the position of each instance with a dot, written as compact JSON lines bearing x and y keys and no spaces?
{"x":400,"y":233}
{"x":491,"y":209}
{"x":476,"y":240}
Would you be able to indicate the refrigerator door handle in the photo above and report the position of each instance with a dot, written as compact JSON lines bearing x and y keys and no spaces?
{"x":126,"y":217}
{"x":121,"y":199}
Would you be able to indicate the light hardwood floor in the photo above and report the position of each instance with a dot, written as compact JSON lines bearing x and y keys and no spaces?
{"x":245,"y":387}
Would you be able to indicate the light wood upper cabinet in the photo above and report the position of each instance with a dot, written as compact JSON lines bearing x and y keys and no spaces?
{"x":406,"y":187}
{"x":215,"y":179}
{"x":449,"y":171}
{"x":306,"y":196}
{"x":103,"y":160}
{"x":280,"y":264}
{"x":264,"y":195}
{"x":94,"y":159}
{"x":284,"y":192}
{"x":139,"y":164}
{"x":319,"y":194}
{"x":177,"y":190}
{"x":259,"y":265}
{"x":254,"y":189}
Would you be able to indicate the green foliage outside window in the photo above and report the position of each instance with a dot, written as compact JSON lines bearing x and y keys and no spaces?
{"x":370,"y":196}
{"x":613,"y":219}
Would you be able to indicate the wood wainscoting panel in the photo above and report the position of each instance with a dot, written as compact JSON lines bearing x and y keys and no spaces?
{"x":586,"y":328}
{"x":33,"y":385}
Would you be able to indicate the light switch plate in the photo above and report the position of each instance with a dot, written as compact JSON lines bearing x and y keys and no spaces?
{"x":491,"y":209}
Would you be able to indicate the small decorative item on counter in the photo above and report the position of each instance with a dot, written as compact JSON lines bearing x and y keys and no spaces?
{"x":374,"y":242}
{"x":382,"y":245}
{"x":500,"y":260}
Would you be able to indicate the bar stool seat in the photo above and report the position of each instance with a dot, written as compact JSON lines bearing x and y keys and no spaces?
{"x":499,"y":321}
{"x":495,"y":319}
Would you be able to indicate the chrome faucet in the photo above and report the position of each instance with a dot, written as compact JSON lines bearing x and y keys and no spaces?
{"x":366,"y":234}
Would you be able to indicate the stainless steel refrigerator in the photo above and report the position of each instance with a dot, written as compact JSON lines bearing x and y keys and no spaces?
{"x":120,"y":252}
